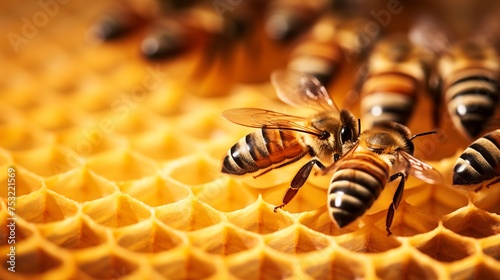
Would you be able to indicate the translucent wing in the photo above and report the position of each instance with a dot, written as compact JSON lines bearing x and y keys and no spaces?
{"x":258,"y":118}
{"x":429,"y":34}
{"x":419,"y":169}
{"x":302,"y":90}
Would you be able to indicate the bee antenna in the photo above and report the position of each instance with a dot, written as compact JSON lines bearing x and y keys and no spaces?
{"x":423,"y":134}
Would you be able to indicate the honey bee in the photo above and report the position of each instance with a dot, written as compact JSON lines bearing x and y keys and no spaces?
{"x":285,"y":20}
{"x":479,"y":164}
{"x":177,"y":26}
{"x":467,"y":76}
{"x":283,"y":139}
{"x":389,"y":82}
{"x":320,"y":52}
{"x":124,"y":16}
{"x":382,"y":154}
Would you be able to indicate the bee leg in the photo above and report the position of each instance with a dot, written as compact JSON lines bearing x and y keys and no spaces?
{"x":395,"y":200}
{"x":492,"y":183}
{"x":298,"y":181}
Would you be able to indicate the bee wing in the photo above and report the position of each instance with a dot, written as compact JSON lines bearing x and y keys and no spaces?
{"x":258,"y":118}
{"x":419,"y":169}
{"x":428,"y":34}
{"x":302,"y":90}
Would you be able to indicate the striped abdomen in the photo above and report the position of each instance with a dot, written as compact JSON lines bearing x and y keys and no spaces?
{"x":320,"y":59}
{"x":388,"y":96}
{"x":355,"y":185}
{"x":479,"y":163}
{"x":261,"y":149}
{"x":471,"y":97}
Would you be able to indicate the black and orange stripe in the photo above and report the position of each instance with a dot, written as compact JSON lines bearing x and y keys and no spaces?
{"x":479,"y":163}
{"x":355,"y":185}
{"x":261,"y":149}
{"x":472,"y":96}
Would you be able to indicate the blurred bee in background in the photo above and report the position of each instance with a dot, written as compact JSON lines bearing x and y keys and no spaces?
{"x":285,"y":20}
{"x":323,"y":49}
{"x":389,"y":82}
{"x":124,"y":16}
{"x":177,"y":26}
{"x":283,"y":139}
{"x":466,"y":77}
{"x":479,"y":164}
{"x":382,"y":154}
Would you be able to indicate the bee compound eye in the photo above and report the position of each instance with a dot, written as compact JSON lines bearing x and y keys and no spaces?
{"x":346,"y":134}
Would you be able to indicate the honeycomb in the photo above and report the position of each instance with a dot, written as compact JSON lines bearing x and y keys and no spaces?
{"x":117,"y":163}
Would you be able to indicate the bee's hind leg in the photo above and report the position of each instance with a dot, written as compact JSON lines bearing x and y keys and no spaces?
{"x":298,"y":181}
{"x":395,"y":200}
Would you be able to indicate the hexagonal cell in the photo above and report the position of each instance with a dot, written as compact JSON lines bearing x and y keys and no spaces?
{"x":154,"y":190}
{"x":491,"y":246}
{"x":259,"y":264}
{"x":101,"y":263}
{"x":408,"y":220}
{"x":259,"y":217}
{"x":184,"y":263}
{"x":116,"y":210}
{"x":296,"y":239}
{"x":122,"y":165}
{"x":369,"y":239}
{"x":35,"y":261}
{"x":406,"y":266}
{"x":307,"y":199}
{"x":193,"y":170}
{"x":23,"y":230}
{"x":24,"y":182}
{"x":53,"y":116}
{"x":437,"y":200}
{"x":148,"y":237}
{"x":49,"y":160}
{"x":164,"y":144}
{"x":488,"y":199}
{"x":45,"y":206}
{"x":206,"y":126}
{"x":188,"y":214}
{"x":81,"y":184}
{"x":319,"y":220}
{"x":225,"y":194}
{"x":74,"y":233}
{"x":481,"y":269}
{"x":131,"y":119}
{"x":445,"y":246}
{"x":334,"y":264}
{"x":21,"y":136}
{"x":90,"y":141}
{"x":223,"y":239}
{"x":473,"y":222}
{"x":166,"y":104}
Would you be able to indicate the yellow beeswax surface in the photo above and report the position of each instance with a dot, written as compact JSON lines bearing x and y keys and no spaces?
{"x":117,"y":166}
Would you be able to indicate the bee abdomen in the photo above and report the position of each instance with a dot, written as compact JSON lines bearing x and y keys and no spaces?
{"x":355,"y":185}
{"x":261,"y":149}
{"x":472,"y":97}
{"x":389,"y":96}
{"x":320,"y":59}
{"x":480,"y":162}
